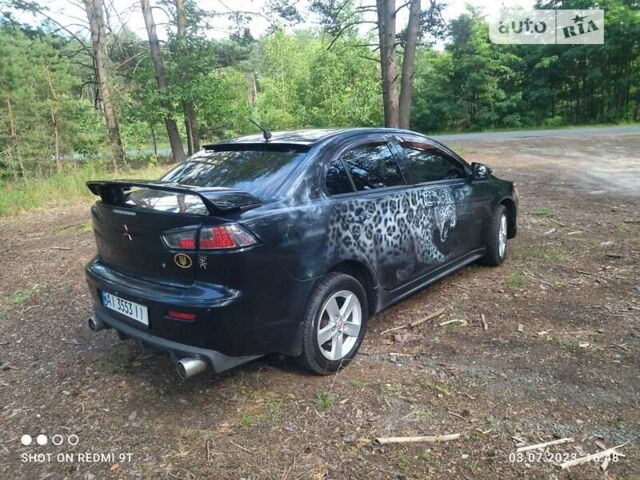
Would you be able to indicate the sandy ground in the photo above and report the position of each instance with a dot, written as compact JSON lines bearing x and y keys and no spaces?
{"x":559,"y":357}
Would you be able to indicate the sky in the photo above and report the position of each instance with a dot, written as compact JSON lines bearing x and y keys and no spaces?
{"x":128,"y":12}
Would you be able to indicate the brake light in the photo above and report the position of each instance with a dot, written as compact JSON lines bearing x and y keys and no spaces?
{"x":185,"y":240}
{"x":225,"y":237}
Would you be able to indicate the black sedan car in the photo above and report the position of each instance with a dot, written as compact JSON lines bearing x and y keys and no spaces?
{"x":288,"y":243}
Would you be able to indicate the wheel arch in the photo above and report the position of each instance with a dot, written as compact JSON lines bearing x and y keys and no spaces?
{"x":361,"y":272}
{"x":512,"y":216}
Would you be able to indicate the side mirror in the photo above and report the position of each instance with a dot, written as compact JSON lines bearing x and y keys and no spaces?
{"x":479,"y":171}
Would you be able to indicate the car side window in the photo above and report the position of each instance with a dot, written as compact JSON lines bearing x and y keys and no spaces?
{"x":373,"y":166}
{"x":429,"y":165}
{"x":337,"y":180}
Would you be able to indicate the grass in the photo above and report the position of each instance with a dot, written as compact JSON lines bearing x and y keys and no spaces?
{"x":357,"y":384}
{"x":274,"y":408}
{"x":544,"y":212}
{"x":61,"y":189}
{"x":437,"y":387}
{"x":427,"y":416}
{"x":515,"y":280}
{"x":118,"y":362}
{"x":403,"y":461}
{"x":20,"y":298}
{"x":571,"y":346}
{"x":245,"y":420}
{"x":323,"y":401}
{"x":542,"y":252}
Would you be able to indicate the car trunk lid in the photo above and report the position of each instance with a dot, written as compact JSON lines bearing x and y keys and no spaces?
{"x":130,"y":220}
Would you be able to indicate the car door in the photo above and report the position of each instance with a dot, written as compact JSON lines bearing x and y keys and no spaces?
{"x":447,"y":220}
{"x":372,"y":212}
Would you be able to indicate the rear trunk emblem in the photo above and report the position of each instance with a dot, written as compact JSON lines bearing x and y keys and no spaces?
{"x":126,"y":233}
{"x":182,"y":260}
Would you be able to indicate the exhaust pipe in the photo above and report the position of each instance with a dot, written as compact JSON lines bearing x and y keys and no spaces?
{"x":96,"y":324}
{"x":188,"y":367}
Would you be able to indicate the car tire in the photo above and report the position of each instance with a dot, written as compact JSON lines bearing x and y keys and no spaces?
{"x":496,"y":244}
{"x":342,"y":329}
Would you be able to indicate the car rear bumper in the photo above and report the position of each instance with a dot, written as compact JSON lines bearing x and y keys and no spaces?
{"x":216,"y":360}
{"x":228,"y":321}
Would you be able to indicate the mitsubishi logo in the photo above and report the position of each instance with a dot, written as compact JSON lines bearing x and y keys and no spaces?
{"x":126,"y":233}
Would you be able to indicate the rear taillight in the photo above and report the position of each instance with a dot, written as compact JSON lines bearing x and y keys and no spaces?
{"x":225,"y":236}
{"x":222,"y":237}
{"x":185,"y":240}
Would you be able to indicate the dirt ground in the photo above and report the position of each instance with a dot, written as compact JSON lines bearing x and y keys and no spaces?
{"x":559,"y":357}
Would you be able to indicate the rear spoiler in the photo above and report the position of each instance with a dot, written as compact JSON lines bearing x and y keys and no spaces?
{"x":216,"y":199}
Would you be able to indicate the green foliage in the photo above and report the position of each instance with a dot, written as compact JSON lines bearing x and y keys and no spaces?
{"x":287,"y":80}
{"x":63,"y":188}
{"x":475,"y":85}
{"x":39,"y":95}
{"x":20,"y":298}
{"x":516,"y":280}
{"x":323,"y":401}
{"x":303,"y":83}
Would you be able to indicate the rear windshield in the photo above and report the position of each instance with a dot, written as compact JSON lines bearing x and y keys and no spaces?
{"x":257,"y":171}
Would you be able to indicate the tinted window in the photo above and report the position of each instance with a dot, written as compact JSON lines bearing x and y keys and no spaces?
{"x":428,"y":165}
{"x":373,"y":166}
{"x":337,"y":179}
{"x":259,"y":172}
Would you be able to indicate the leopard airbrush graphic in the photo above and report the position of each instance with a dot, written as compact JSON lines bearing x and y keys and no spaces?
{"x":288,"y":242}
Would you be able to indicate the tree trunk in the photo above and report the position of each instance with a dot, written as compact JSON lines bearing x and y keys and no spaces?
{"x":409,"y":64}
{"x":54,"y":120}
{"x":388,"y":68}
{"x":154,"y":46}
{"x":191,"y":124}
{"x":153,"y":139}
{"x":190,"y":119}
{"x":56,"y":139}
{"x":253,"y":90}
{"x":14,"y":139}
{"x":95,"y":15}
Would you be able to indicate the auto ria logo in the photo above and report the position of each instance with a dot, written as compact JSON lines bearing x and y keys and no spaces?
{"x":565,"y":27}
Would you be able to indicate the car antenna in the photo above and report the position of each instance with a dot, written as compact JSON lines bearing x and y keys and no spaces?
{"x":265,"y":133}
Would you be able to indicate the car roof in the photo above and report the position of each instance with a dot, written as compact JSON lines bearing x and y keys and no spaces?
{"x":306,"y":137}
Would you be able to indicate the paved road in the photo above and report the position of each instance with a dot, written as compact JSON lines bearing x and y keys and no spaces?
{"x":602,"y":160}
{"x":561,"y":132}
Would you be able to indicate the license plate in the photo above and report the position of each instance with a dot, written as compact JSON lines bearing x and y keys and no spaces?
{"x":126,"y":307}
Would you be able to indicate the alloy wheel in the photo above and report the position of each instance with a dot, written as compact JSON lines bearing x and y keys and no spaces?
{"x":502,"y":236}
{"x":339,"y":325}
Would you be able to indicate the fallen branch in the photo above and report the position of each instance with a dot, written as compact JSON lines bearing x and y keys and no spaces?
{"x":455,"y":320}
{"x":591,"y":457}
{"x":484,"y":323}
{"x":459,"y":416}
{"x":241,"y":447}
{"x":417,"y":322}
{"x":545,"y":444}
{"x":426,"y":439}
